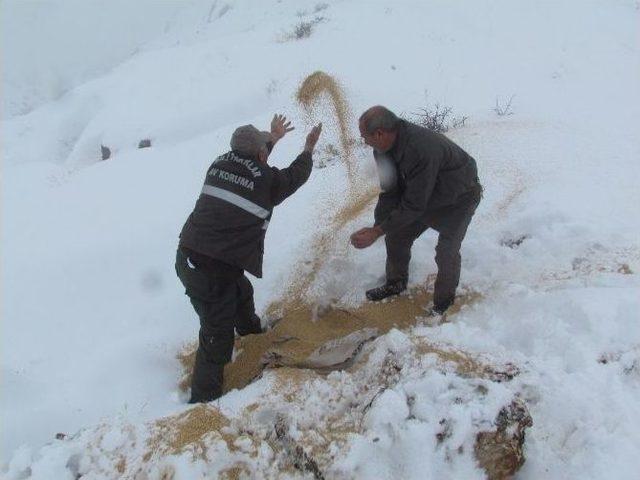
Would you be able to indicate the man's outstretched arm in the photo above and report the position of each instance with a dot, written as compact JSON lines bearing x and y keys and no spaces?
{"x":288,"y":180}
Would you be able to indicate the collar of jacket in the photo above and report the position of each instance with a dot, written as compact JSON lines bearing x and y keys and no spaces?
{"x":397,"y":151}
{"x":253,"y":158}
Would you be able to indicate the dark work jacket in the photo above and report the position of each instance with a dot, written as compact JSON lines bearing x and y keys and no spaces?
{"x":232,"y":214}
{"x":423,"y":171}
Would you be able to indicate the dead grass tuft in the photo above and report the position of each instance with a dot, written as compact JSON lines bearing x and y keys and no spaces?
{"x":121,"y":466}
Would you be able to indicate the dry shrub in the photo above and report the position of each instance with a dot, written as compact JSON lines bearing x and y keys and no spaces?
{"x":304,"y":29}
{"x":504,"y":109}
{"x":438,"y":118}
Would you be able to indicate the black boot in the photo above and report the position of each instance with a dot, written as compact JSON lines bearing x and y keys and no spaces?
{"x":439,"y":310}
{"x":206,"y":381}
{"x":204,"y":397}
{"x":387,"y":290}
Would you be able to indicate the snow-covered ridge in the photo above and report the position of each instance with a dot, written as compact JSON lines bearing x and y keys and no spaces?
{"x":93,"y":317}
{"x":338,"y":421}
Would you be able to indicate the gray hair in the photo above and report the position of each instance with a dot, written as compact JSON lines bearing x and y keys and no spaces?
{"x":379,"y":118}
{"x":248,"y":140}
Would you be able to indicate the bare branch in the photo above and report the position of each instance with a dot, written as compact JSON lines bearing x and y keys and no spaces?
{"x":502,"y":110}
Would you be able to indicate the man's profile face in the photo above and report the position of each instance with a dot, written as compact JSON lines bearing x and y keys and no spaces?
{"x":370,"y":139}
{"x":378,"y":139}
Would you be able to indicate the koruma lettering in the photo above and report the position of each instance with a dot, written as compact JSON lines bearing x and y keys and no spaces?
{"x":232,"y":178}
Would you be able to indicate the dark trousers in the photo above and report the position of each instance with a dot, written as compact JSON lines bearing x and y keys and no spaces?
{"x":223,"y":299}
{"x":451,"y":223}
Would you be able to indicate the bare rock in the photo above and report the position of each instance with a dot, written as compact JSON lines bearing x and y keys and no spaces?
{"x":499,"y":452}
{"x":105,"y":151}
{"x":513,"y":242}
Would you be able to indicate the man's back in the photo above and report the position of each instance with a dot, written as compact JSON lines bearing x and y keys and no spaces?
{"x":224,"y":235}
{"x":232,"y":214}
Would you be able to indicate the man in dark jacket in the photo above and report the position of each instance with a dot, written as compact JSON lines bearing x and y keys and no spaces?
{"x":427,"y":181}
{"x":224,"y":236}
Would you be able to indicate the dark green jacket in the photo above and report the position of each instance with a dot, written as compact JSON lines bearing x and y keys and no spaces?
{"x":424,"y":171}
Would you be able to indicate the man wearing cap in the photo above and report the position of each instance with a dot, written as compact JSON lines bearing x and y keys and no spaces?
{"x":427,"y":181}
{"x":224,"y":237}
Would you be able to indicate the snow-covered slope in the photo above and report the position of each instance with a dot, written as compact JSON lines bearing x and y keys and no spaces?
{"x":93,"y":316}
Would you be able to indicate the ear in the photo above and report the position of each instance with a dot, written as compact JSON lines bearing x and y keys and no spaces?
{"x":263,"y":155}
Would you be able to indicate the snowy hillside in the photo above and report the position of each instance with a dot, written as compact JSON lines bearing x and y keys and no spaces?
{"x":95,"y":325}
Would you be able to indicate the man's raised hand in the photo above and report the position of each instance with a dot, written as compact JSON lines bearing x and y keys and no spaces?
{"x":312,"y":138}
{"x":280,"y":127}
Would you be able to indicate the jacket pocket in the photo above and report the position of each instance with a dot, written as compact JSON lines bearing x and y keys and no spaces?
{"x":197,"y":283}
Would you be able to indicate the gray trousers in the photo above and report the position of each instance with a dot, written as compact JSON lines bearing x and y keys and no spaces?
{"x":451,"y":223}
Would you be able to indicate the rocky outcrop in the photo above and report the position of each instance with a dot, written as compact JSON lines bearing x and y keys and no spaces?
{"x":500,"y":452}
